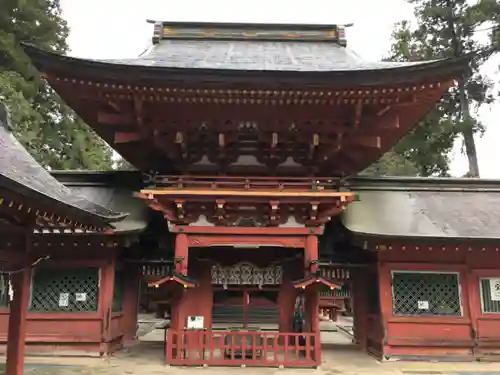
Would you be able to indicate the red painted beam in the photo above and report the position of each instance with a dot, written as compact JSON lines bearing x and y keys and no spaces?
{"x":267,"y":231}
{"x":123,"y":137}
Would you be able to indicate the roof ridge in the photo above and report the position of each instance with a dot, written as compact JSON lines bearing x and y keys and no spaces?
{"x":332,"y":33}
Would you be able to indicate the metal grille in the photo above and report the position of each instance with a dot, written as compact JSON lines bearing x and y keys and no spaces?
{"x":4,"y":289}
{"x":65,"y":290}
{"x":488,"y":304}
{"x":118,"y":291}
{"x":426,"y":294}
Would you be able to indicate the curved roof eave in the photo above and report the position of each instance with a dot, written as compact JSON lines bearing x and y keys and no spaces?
{"x":413,"y":72}
{"x":26,"y":191}
{"x":21,"y":174}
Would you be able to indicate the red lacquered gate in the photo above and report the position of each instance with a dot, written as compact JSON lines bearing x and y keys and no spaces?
{"x":222,"y":348}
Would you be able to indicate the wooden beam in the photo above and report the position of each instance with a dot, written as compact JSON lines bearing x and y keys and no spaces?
{"x":314,"y":145}
{"x":388,"y":122}
{"x":274,"y":140}
{"x":368,"y":142}
{"x":285,"y":231}
{"x":119,"y":119}
{"x":180,"y":139}
{"x":244,"y":239}
{"x":358,"y":113}
{"x":327,"y":150}
{"x":222,"y":140}
{"x":138,"y":109}
{"x":123,"y":137}
{"x":250,"y":193}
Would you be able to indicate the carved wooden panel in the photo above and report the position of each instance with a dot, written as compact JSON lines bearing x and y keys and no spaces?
{"x":246,"y":274}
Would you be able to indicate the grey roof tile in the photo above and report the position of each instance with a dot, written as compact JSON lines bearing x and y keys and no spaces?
{"x":20,"y":173}
{"x":432,"y":208}
{"x":257,"y":56}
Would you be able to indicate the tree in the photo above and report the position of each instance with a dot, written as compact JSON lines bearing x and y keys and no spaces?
{"x":446,"y":28}
{"x":123,"y":165}
{"x":43,"y":123}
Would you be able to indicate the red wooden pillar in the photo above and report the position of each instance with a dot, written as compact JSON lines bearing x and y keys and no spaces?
{"x":181,"y":253}
{"x":21,"y":285}
{"x":131,"y":303}
{"x":312,"y":295}
{"x":181,"y":256}
{"x":385,"y":296}
{"x":106,"y":304}
{"x":360,"y":302}
{"x":311,"y":254}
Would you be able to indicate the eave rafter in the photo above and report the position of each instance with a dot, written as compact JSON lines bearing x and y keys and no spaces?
{"x":20,"y":213}
{"x":321,"y":129}
{"x":225,"y":201}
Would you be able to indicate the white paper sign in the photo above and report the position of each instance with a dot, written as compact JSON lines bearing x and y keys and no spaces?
{"x":80,"y":297}
{"x":63,"y":299}
{"x":495,"y":289}
{"x":423,"y":305}
{"x":195,"y":322}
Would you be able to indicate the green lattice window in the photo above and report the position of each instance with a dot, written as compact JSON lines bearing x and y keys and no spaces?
{"x":426,"y":294}
{"x":4,"y":289}
{"x":65,"y":290}
{"x":490,"y":295}
{"x":118,"y":291}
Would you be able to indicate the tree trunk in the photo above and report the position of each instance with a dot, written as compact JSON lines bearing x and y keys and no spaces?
{"x":468,"y":132}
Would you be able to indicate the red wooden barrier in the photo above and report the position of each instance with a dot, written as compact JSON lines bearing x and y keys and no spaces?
{"x":247,"y":348}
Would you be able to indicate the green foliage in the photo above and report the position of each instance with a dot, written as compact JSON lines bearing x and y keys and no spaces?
{"x":43,"y":123}
{"x":445,"y":28}
{"x":123,"y":165}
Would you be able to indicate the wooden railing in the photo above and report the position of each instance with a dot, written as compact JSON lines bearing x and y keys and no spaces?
{"x":243,"y":348}
{"x":244,"y":183}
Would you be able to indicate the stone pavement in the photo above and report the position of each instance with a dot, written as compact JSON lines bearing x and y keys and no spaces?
{"x":146,"y":358}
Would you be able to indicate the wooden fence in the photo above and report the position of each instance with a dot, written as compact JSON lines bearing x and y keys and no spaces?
{"x":242,"y":348}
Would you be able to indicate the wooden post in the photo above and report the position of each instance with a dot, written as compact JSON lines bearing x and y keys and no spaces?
{"x":360,"y":301}
{"x":311,"y":254}
{"x":181,"y":266}
{"x":131,"y":303}
{"x":106,"y":305}
{"x":312,"y":296}
{"x":181,"y":253}
{"x":21,"y":285}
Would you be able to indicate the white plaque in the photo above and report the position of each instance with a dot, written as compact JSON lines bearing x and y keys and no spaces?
{"x":80,"y":297}
{"x":64,"y":299}
{"x":423,"y":305}
{"x":495,"y":289}
{"x":195,"y":322}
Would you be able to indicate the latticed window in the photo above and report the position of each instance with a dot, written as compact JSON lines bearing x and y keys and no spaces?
{"x":490,"y":295}
{"x":4,"y":289}
{"x":426,"y":294}
{"x":118,"y":291}
{"x":65,"y":290}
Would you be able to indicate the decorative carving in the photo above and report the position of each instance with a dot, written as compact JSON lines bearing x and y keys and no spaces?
{"x":194,"y":241}
{"x":246,"y":274}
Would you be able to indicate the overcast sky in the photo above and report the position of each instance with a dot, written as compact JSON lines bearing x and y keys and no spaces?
{"x":117,"y":28}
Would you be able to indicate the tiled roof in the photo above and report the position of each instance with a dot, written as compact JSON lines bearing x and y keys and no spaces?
{"x":234,"y":49}
{"x":20,"y":173}
{"x":434,"y":208}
